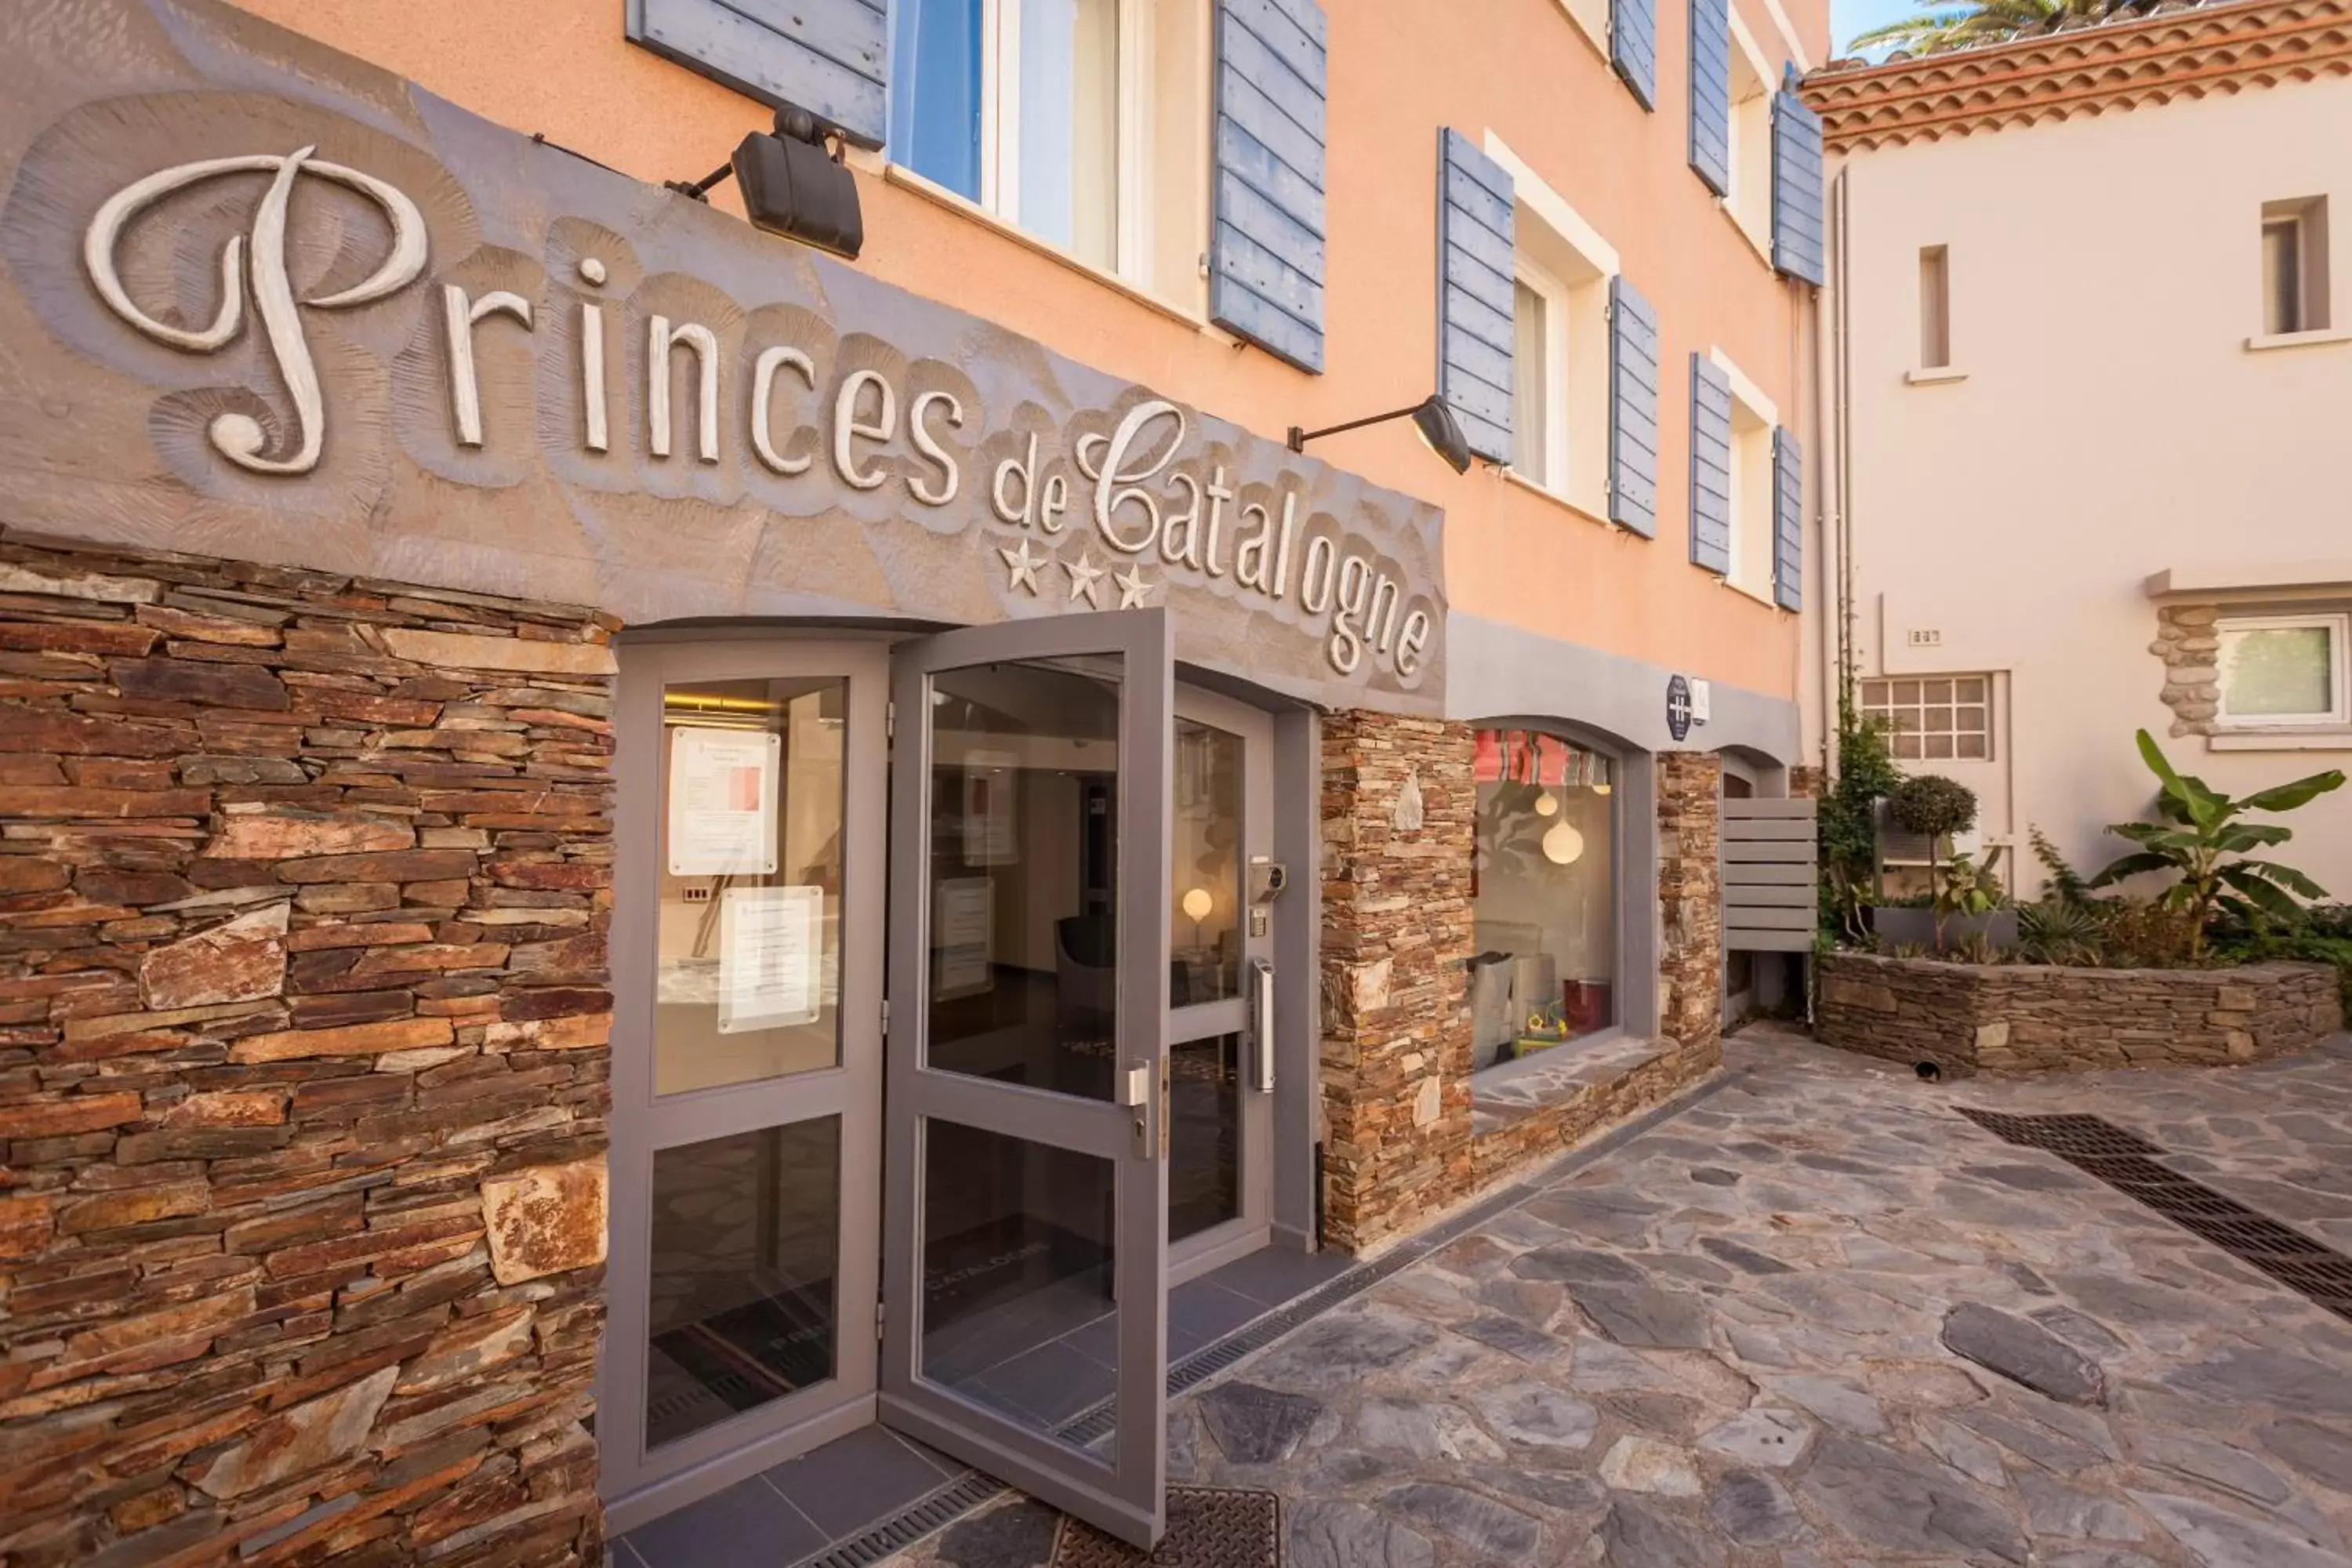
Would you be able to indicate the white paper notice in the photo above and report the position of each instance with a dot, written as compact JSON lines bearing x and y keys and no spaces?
{"x":722,"y":802}
{"x":771,"y":943}
{"x":961,"y":922}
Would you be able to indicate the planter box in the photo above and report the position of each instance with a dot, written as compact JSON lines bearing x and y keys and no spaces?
{"x":1916,"y":928}
{"x":2033,"y":1018}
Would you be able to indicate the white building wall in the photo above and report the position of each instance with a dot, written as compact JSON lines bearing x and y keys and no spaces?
{"x":2108,"y":422}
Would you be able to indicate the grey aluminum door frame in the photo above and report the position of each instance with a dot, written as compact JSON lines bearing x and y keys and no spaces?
{"x":639,"y":1484}
{"x":1127,"y":1495}
{"x":1252,"y":1228}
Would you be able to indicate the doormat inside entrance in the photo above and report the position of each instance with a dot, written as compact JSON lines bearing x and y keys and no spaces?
{"x":1208,"y":1527}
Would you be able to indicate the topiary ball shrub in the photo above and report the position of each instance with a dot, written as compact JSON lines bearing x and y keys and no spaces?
{"x":1933,"y":805}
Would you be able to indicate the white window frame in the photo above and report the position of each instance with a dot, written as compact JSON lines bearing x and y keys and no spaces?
{"x":1749,"y":512}
{"x":1558,"y":469}
{"x":1991,"y":715}
{"x":1577,"y":410}
{"x":1000,"y":129}
{"x":1748,"y":200}
{"x":2337,"y":624}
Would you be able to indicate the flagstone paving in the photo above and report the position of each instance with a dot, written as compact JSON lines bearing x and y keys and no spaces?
{"x":1820,"y":1318}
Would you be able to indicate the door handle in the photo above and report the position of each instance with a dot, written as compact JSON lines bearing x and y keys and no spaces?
{"x":1261,"y":1026}
{"x":1135,"y":1097}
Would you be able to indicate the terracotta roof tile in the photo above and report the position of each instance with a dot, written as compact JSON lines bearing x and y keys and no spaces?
{"x":2178,"y":52}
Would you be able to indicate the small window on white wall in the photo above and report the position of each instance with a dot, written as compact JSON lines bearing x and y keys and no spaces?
{"x":1935,"y":307}
{"x":1934,"y":718}
{"x":2282,"y":671}
{"x":2295,"y":266}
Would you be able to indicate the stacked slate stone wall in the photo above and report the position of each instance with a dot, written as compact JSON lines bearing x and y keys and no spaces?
{"x":303,"y":1065}
{"x":1399,"y":817}
{"x":2028,"y":1018}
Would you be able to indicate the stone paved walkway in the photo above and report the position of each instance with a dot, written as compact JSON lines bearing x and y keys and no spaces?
{"x":1726,"y":1342}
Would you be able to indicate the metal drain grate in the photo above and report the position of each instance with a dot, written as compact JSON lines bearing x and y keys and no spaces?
{"x":2068,"y":1134}
{"x":1208,"y":1527}
{"x":936,"y":1511}
{"x":2127,"y":1162}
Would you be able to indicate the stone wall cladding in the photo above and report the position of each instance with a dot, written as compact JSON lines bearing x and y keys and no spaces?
{"x":1396,"y":946}
{"x":2027,"y":1018}
{"x":2189,"y":641}
{"x":303,"y":1065}
{"x":1690,"y":897}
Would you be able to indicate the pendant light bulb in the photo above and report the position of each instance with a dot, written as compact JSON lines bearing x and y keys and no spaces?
{"x":1547,"y":804}
{"x":1563,"y":845}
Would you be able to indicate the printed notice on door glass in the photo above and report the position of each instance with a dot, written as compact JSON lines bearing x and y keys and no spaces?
{"x":770,"y":943}
{"x":961,"y":922}
{"x":989,"y":804}
{"x":722,"y":802}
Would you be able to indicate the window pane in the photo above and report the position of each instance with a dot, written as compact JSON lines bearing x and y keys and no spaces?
{"x":1936,"y":691}
{"x":1906,"y":692}
{"x":1204,"y":882}
{"x":2283,"y":276}
{"x":748,"y":946}
{"x":1906,"y":748}
{"x":1969,"y":691}
{"x":1204,"y":1133}
{"x":1546,"y":948}
{"x":1069,"y":126}
{"x":1936,"y":721}
{"x":1969,"y":746}
{"x":1017,"y":1250}
{"x":1873,"y":694}
{"x":745,"y":1239}
{"x":1939,"y":745}
{"x":1970,"y":720}
{"x":1528,"y":383}
{"x":2277,"y":672}
{"x":1023,"y":874}
{"x":935,"y":101}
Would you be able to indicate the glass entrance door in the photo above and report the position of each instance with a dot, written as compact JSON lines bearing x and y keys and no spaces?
{"x":1220,"y":977}
{"x":746,"y":1158}
{"x":1025,"y":1240}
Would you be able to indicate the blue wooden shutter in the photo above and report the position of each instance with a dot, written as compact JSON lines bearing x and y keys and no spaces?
{"x":830,"y":58}
{"x":1633,"y":47}
{"x":1710,"y":93}
{"x":1710,"y":467}
{"x":1265,"y":253}
{"x":1475,"y":239}
{"x":1632,"y":409}
{"x":1796,"y":186}
{"x":1787,"y":520}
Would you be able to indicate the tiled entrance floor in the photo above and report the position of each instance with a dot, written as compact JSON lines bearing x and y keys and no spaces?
{"x":801,"y":1507}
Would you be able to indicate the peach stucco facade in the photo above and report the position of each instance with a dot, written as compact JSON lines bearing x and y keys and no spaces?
{"x":1526,"y":74}
{"x":2116,"y":455}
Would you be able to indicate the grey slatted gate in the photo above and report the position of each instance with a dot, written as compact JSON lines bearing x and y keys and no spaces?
{"x":1768,"y":874}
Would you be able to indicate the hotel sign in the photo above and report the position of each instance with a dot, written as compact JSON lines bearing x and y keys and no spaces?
{"x":293,"y":312}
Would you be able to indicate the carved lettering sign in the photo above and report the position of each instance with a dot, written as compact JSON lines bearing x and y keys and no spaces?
{"x":290,"y":310}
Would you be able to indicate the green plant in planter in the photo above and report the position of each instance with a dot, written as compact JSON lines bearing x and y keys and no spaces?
{"x":1967,"y":888}
{"x":1936,"y":807}
{"x":2061,"y":930}
{"x":2201,"y":840}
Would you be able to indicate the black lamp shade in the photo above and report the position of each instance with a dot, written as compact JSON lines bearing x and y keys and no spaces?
{"x":1436,"y":423}
{"x":792,"y":188}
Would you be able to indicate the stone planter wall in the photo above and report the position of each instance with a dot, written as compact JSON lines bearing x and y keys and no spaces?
{"x":2029,"y":1018}
{"x":303,"y":1065}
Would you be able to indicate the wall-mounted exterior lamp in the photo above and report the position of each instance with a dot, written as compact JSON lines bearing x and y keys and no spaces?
{"x":1430,"y":416}
{"x":793,"y":185}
